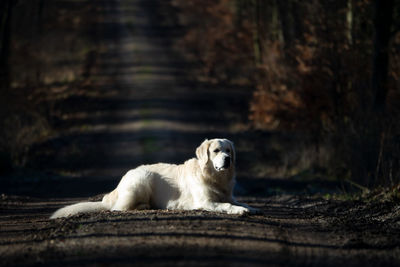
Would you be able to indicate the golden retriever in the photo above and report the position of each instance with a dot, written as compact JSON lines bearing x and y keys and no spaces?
{"x":205,"y":183}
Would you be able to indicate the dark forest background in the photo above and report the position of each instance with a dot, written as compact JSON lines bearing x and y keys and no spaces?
{"x":325,"y":70}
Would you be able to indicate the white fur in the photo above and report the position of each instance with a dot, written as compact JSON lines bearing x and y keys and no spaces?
{"x":205,"y":182}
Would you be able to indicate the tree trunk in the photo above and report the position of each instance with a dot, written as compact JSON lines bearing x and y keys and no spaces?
{"x":380,"y":67}
{"x":287,"y":23}
{"x":349,"y":22}
{"x":256,"y":33}
{"x":5,"y":43}
{"x":382,"y":25}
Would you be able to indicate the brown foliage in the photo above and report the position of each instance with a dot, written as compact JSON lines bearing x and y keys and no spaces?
{"x":275,"y":103}
{"x":220,"y":45}
{"x":310,"y":63}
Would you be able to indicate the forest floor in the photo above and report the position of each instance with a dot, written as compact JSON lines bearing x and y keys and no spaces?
{"x":139,"y":106}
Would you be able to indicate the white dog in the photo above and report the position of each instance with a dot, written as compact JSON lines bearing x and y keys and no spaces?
{"x":205,"y":182}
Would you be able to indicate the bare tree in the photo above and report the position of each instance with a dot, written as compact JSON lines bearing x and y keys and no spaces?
{"x":382,"y":25}
{"x":5,"y":37}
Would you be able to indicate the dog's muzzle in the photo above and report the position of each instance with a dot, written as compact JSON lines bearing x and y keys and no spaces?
{"x":223,"y":163}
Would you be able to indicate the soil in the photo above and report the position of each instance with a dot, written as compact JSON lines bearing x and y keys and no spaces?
{"x":291,"y":231}
{"x":139,"y":106}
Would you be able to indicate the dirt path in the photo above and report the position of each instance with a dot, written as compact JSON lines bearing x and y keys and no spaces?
{"x":292,"y":231}
{"x":140,"y":107}
{"x":144,"y":110}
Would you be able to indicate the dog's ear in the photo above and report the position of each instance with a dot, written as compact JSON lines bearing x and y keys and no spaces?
{"x":202,"y":153}
{"x":232,"y":149}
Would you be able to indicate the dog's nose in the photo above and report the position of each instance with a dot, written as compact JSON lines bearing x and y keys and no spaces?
{"x":227,"y":162}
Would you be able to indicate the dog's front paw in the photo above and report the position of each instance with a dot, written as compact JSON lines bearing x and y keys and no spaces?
{"x":239,"y":210}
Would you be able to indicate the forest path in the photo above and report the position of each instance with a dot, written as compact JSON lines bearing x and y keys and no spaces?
{"x":141,"y":107}
{"x":143,"y":110}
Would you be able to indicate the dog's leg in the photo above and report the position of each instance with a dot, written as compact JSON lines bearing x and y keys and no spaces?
{"x":224,"y":207}
{"x":125,"y":201}
{"x":130,"y":200}
{"x":110,"y":199}
{"x":134,"y":190}
{"x":251,"y":210}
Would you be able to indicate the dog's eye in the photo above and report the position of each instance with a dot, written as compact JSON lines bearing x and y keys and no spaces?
{"x":228,"y":150}
{"x":216,"y":150}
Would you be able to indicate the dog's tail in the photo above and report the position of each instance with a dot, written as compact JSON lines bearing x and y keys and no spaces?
{"x":78,"y":208}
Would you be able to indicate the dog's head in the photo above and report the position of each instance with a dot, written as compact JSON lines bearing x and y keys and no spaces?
{"x":219,"y":153}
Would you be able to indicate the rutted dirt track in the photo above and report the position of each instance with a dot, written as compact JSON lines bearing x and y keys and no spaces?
{"x":146,"y":111}
{"x":291,"y":231}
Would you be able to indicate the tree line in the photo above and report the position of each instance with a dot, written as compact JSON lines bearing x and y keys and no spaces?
{"x":325,"y":68}
{"x":45,"y":47}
